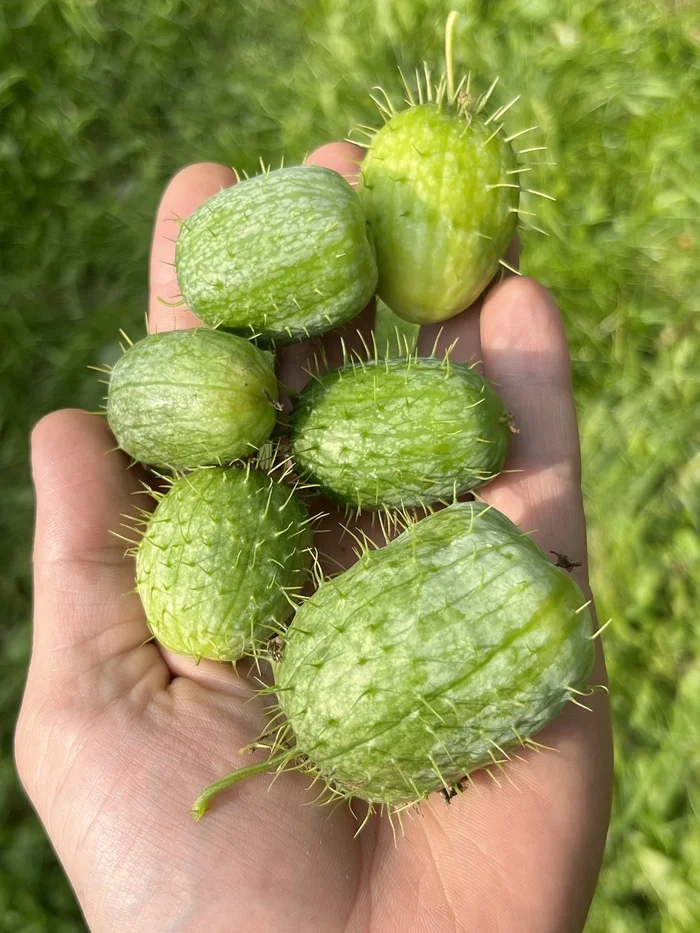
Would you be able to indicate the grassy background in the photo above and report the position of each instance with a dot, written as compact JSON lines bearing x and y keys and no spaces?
{"x":101,"y":102}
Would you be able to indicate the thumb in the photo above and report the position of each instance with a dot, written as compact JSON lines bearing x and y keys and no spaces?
{"x":85,"y":609}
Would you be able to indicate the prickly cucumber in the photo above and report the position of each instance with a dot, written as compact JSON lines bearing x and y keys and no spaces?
{"x":400,"y":432}
{"x":188,"y":398}
{"x":215,"y":560}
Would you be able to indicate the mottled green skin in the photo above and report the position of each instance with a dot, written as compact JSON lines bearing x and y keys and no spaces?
{"x":187,"y":398}
{"x":438,"y":228}
{"x":399,"y":432}
{"x":283,"y":255}
{"x":414,"y":665}
{"x":215,"y":557}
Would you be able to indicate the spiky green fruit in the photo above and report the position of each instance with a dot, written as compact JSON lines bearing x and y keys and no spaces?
{"x":284,"y":255}
{"x":440,"y":189}
{"x":401,"y":432}
{"x":432,"y":656}
{"x":184,"y":399}
{"x":218,"y":559}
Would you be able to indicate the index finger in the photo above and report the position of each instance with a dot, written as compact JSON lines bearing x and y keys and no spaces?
{"x":187,"y":190}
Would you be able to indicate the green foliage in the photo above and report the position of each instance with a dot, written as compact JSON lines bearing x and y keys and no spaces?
{"x":100,"y":103}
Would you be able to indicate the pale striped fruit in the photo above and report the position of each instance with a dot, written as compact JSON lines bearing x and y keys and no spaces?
{"x":431,"y":657}
{"x":283,"y":256}
{"x":187,"y":398}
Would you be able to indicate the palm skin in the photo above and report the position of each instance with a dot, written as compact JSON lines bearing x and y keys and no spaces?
{"x":116,"y":737}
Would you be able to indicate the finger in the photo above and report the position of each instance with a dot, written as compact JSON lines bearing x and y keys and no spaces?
{"x":84,"y":601}
{"x":186,"y":191}
{"x":218,"y":676}
{"x":342,"y":157}
{"x":526,"y":358}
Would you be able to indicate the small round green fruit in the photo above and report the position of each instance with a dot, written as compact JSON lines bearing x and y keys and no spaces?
{"x":440,"y":190}
{"x":188,"y":398}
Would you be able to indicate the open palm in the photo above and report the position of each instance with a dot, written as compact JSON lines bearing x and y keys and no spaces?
{"x":117,"y":737}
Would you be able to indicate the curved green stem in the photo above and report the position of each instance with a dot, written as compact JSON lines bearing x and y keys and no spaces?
{"x":449,"y":63}
{"x":199,"y":807}
{"x":393,"y":336}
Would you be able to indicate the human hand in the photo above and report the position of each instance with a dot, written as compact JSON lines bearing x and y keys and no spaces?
{"x":116,"y":737}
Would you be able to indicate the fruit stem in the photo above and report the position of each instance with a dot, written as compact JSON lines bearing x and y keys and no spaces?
{"x":394,"y":337}
{"x":199,"y":807}
{"x":449,"y":63}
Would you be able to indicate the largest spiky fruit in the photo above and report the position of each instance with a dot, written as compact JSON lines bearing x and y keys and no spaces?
{"x":216,"y":558}
{"x":439,"y":186}
{"x":432,"y":656}
{"x":284,"y":255}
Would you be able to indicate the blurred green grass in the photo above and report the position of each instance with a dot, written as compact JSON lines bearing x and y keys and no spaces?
{"x":100,"y":103}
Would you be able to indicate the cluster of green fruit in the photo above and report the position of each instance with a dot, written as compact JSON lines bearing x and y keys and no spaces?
{"x":405,"y":672}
